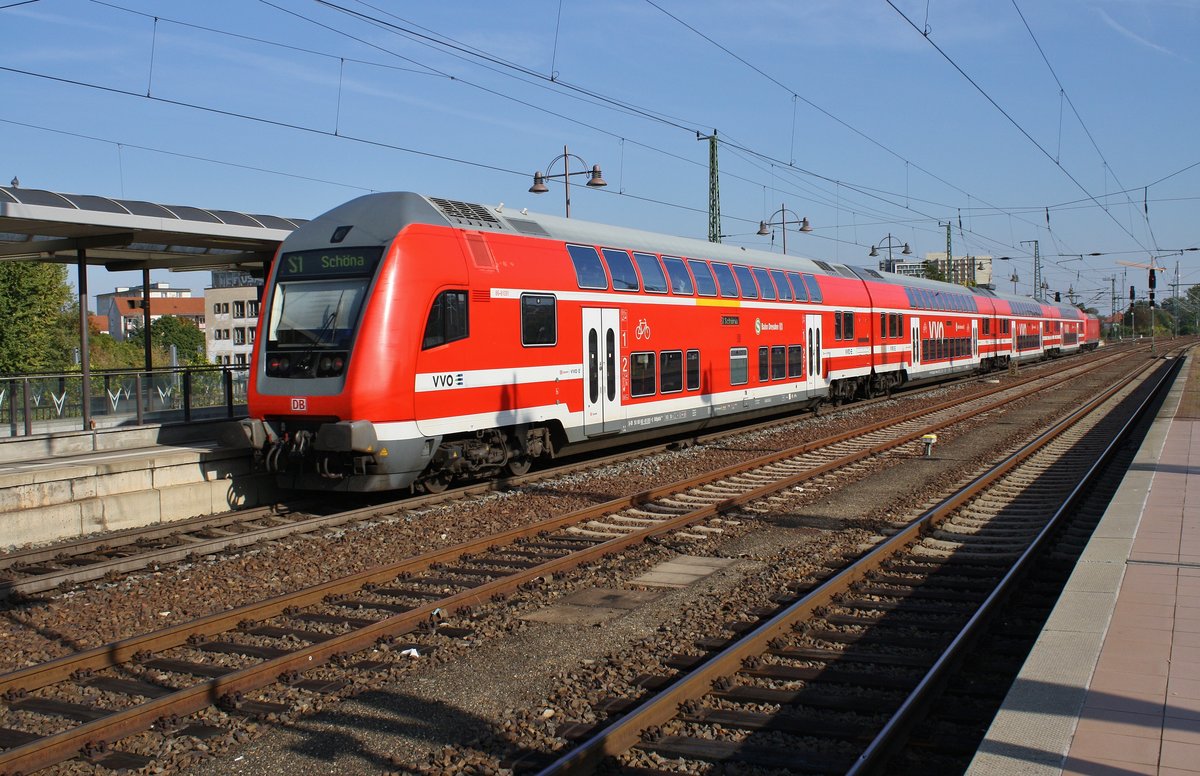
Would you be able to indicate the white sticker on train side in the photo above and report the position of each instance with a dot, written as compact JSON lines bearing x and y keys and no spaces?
{"x":447,"y":380}
{"x":482,"y":378}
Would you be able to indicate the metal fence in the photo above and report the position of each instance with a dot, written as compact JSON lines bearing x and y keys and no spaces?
{"x":46,"y":403}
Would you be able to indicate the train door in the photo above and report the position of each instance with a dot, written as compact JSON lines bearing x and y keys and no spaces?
{"x":915,"y":331}
{"x":601,"y":371}
{"x":974,"y":338}
{"x":814,"y":376}
{"x":1012,"y":330}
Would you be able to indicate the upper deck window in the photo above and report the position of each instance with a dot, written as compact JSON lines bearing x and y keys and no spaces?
{"x":764,"y":283}
{"x":681,"y":281}
{"x":814,"y":291}
{"x":746,"y":281}
{"x":725,"y":278}
{"x":705,"y":285}
{"x":621,"y":268}
{"x":798,"y":287}
{"x":589,"y":272}
{"x":785,"y":293}
{"x":653,"y":278}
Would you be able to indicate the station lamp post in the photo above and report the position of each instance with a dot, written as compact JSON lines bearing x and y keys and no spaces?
{"x":764,"y":227}
{"x":889,"y":242}
{"x":595,"y":180}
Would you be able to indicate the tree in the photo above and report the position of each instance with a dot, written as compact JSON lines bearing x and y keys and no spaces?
{"x":34,"y":298}
{"x":932,"y":272}
{"x":106,"y":352}
{"x":171,"y":330}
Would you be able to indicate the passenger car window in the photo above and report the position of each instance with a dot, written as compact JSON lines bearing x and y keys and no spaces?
{"x":814,"y":291}
{"x":738,"y":366}
{"x":539,"y":322}
{"x":681,"y":282}
{"x":653,"y":279}
{"x":764,"y":283}
{"x":621,"y":269}
{"x":785,"y":293}
{"x":798,"y":288}
{"x":705,"y":285}
{"x":670,"y":370}
{"x":795,"y":361}
{"x":725,"y":278}
{"x":693,"y":370}
{"x":778,"y":362}
{"x":641,"y":374}
{"x":589,"y":272}
{"x":746,"y":281}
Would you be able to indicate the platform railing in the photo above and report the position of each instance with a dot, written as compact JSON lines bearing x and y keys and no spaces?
{"x":54,"y":402}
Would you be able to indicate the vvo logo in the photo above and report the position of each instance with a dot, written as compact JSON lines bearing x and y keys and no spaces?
{"x":937,"y":330}
{"x":299,"y":404}
{"x":447,"y":380}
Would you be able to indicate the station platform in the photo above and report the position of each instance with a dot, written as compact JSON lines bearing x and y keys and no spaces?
{"x":67,"y":485}
{"x":1113,"y":683}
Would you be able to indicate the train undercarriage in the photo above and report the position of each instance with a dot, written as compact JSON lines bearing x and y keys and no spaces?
{"x":486,"y":454}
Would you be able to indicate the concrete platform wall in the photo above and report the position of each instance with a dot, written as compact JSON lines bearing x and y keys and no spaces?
{"x":70,"y":485}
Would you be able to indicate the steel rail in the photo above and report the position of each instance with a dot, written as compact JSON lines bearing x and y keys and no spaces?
{"x":57,"y":747}
{"x":627,"y":731}
{"x":882,"y":746}
{"x":209,"y":546}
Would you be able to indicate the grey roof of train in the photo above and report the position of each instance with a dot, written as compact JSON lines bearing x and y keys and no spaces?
{"x":497,"y":218}
{"x":123,"y":234}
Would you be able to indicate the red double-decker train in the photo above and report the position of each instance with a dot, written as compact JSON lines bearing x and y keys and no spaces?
{"x":408,"y":341}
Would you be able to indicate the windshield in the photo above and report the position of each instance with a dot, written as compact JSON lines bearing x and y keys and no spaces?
{"x":316,"y":313}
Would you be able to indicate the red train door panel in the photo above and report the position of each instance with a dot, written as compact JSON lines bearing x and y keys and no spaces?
{"x":601,"y":371}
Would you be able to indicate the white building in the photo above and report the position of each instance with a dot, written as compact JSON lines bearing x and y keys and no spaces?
{"x":231,"y":306}
{"x":964,"y":270}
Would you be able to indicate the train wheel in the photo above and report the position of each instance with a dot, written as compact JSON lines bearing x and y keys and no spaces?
{"x":519,"y":466}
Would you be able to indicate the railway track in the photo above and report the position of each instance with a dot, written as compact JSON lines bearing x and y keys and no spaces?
{"x":831,"y":679}
{"x":83,"y":702}
{"x":62,"y":565}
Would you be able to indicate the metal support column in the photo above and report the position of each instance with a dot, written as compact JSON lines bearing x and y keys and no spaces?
{"x":85,"y":361}
{"x":146,"y":319}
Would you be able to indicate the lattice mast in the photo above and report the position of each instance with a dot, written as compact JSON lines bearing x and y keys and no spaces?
{"x":714,"y":189}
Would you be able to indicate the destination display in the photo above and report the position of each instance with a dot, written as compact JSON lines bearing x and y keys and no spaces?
{"x":328,"y":262}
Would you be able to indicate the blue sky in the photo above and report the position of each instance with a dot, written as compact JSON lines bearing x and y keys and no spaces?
{"x":844,"y":112}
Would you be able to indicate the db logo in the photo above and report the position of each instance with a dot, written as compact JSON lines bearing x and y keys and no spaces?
{"x":299,"y":404}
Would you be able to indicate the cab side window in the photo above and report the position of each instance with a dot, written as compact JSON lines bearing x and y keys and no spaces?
{"x":447,"y":320}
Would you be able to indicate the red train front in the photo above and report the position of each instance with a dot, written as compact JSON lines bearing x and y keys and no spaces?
{"x":410,"y":341}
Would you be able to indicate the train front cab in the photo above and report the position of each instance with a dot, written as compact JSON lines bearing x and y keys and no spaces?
{"x":328,"y":405}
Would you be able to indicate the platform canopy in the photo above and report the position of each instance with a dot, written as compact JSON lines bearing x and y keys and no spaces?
{"x":120,"y":235}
